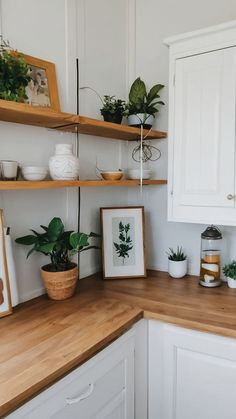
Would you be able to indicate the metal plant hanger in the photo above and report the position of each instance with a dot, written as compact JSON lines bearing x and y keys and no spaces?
{"x":145,"y":152}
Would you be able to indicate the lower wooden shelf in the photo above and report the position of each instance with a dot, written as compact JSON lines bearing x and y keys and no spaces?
{"x":54,"y":184}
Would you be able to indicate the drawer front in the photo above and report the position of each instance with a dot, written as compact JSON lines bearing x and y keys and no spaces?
{"x":90,"y":388}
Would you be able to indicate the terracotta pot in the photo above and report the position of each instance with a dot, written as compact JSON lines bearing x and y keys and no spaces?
{"x":60,"y":285}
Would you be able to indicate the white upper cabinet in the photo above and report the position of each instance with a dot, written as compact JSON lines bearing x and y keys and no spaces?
{"x":202,"y":118}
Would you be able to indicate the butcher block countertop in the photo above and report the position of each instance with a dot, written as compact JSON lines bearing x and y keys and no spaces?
{"x":43,"y":339}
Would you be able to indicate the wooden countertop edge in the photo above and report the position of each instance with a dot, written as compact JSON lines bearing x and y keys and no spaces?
{"x":190,"y":324}
{"x":22,"y":398}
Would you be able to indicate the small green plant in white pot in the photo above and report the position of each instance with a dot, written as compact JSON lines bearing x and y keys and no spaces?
{"x":177,"y":262}
{"x":229,"y":270}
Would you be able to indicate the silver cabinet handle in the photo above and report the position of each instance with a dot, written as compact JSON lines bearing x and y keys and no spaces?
{"x":230,"y":197}
{"x":82,"y":396}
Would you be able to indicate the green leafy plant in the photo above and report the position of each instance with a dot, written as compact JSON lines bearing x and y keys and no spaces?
{"x":14,"y":74}
{"x":125,"y":245}
{"x":141,"y":101}
{"x":58,"y":244}
{"x":229,"y":270}
{"x":177,"y":255}
{"x":112,"y":106}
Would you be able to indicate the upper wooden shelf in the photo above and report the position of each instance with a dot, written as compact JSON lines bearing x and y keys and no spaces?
{"x":55,"y":184}
{"x":21,"y":113}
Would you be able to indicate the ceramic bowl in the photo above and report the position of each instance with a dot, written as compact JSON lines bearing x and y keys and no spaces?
{"x":34,"y":172}
{"x":135,"y":174}
{"x":116,"y":175}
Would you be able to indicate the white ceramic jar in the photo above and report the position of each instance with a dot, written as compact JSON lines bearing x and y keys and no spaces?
{"x":64,"y":165}
{"x":177,"y":269}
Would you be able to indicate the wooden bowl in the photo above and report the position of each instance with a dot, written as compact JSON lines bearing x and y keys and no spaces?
{"x":112,"y":175}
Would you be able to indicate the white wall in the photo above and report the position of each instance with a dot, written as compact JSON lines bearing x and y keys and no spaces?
{"x":56,"y":31}
{"x":156,"y":20}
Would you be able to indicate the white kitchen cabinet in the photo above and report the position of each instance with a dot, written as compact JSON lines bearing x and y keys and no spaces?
{"x":102,"y":388}
{"x":191,"y":374}
{"x":202,"y":119}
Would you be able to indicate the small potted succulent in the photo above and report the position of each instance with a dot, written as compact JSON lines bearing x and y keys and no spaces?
{"x":14,"y":74}
{"x":143,"y":105}
{"x":177,"y":262}
{"x":113,"y":109}
{"x":61,"y":275}
{"x":229,"y":270}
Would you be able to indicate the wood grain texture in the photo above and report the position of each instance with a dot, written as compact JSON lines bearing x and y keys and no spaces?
{"x":48,"y":118}
{"x":43,"y":339}
{"x":56,"y":184}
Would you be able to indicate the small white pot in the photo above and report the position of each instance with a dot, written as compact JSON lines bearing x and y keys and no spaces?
{"x":231,"y":282}
{"x":140,"y":118}
{"x":177,"y":269}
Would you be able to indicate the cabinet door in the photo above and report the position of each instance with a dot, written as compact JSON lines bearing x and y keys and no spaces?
{"x":203,"y":165}
{"x":102,"y":388}
{"x":195,"y":374}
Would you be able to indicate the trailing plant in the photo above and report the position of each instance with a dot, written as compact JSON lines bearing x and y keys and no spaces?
{"x":58,"y":244}
{"x":141,"y":101}
{"x":125,"y":245}
{"x":229,"y":270}
{"x":112,"y":106}
{"x":14,"y":73}
{"x":177,"y":255}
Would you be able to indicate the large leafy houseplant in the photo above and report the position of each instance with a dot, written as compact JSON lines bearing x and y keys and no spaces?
{"x":143,"y":103}
{"x":14,"y":74}
{"x":60,"y":276}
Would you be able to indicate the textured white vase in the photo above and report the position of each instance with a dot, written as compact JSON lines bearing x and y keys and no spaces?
{"x":177,"y":269}
{"x":64,"y":165}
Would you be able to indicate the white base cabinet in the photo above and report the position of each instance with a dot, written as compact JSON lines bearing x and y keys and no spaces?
{"x":192,"y":375}
{"x":102,"y":388}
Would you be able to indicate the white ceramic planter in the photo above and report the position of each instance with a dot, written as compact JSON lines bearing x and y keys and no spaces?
{"x":231,"y":282}
{"x":140,"y":118}
{"x":177,"y":269}
{"x":64,"y":165}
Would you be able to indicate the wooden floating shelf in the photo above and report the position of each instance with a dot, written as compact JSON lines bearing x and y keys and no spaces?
{"x":22,"y":113}
{"x":55,"y":184}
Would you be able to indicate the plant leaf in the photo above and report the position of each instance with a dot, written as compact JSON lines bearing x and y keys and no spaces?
{"x":153,"y":93}
{"x":78,"y":240}
{"x":137,"y":92}
{"x":27,"y":240}
{"x":55,"y":229}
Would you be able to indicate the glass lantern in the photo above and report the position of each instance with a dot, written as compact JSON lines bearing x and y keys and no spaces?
{"x":211,"y":244}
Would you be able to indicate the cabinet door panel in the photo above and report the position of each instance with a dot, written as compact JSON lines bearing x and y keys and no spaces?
{"x":204,"y":133}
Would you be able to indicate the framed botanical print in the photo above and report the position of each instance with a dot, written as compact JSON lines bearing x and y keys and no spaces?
{"x":123,"y":247}
{"x":5,"y":292}
{"x":42,"y":88}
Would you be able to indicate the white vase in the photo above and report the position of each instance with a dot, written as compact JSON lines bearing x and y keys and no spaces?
{"x":177,"y":269}
{"x":231,"y":282}
{"x":64,"y":165}
{"x":141,"y":118}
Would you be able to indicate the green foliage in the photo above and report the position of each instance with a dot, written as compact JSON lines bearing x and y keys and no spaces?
{"x":125,"y":245}
{"x":142,"y":102}
{"x":13,"y":74}
{"x":177,"y":255}
{"x":229,"y":269}
{"x":112,"y":106}
{"x":58,"y":244}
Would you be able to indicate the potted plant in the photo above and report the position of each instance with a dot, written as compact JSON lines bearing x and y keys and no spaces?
{"x":142,"y":106}
{"x":113,"y":109}
{"x":60,"y":276}
{"x":177,"y":263}
{"x":229,"y":270}
{"x":14,"y":74}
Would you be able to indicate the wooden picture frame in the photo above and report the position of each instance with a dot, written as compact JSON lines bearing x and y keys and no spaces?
{"x":123,"y":248}
{"x":42,"y":90}
{"x":5,"y":291}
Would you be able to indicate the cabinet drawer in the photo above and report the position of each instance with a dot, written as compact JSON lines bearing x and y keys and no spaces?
{"x":87,"y":390}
